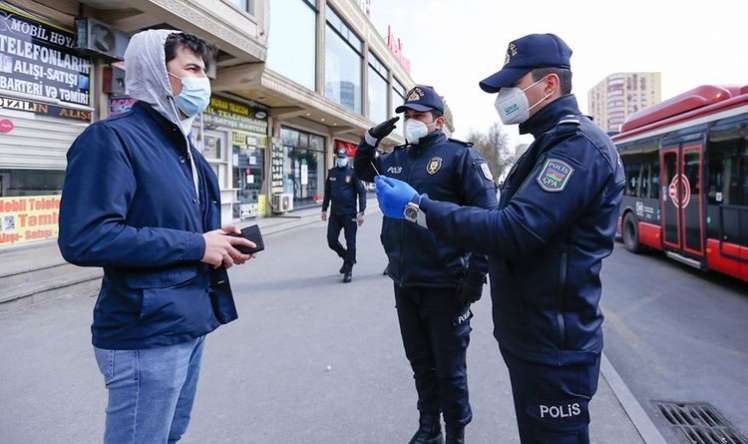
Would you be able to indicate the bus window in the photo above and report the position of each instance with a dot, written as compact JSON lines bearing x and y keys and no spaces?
{"x":632,"y":170}
{"x":655,"y":179}
{"x":644,"y":188}
{"x":728,"y":172}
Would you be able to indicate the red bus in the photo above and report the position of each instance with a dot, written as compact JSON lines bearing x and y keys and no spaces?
{"x":686,"y":163}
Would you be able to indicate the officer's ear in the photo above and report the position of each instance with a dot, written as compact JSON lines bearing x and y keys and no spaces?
{"x":552,"y":85}
{"x":439,"y":121}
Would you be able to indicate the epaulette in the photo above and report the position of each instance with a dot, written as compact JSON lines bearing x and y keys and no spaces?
{"x":461,"y":142}
{"x":570,"y":119}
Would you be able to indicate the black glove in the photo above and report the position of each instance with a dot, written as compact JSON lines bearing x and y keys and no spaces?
{"x":471,"y":289}
{"x":384,"y":129}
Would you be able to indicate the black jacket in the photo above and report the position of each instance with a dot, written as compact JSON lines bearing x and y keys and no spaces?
{"x":447,"y":170}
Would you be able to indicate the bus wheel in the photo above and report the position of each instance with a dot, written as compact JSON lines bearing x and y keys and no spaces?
{"x":631,"y":234}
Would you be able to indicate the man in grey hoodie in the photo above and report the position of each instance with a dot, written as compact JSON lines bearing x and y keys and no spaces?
{"x":140,"y":201}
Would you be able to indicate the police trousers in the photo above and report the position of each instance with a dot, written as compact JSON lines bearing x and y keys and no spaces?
{"x":435,"y":327}
{"x":552,"y":402}
{"x":335,"y":224}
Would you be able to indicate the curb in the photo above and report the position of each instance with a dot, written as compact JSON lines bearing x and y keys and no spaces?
{"x":642,"y":422}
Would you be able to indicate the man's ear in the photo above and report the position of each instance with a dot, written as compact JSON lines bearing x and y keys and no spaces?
{"x":553,"y":84}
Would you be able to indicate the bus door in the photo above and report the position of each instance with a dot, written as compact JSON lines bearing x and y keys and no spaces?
{"x":682,"y":198}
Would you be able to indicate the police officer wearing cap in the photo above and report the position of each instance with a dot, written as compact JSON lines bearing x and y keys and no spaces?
{"x":435,"y":282}
{"x":545,"y":244}
{"x":344,"y":190}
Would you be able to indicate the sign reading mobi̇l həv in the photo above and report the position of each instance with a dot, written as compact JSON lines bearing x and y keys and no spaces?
{"x":28,"y":219}
{"x":38,"y":59}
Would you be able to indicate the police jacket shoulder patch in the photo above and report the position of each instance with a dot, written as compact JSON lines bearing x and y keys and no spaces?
{"x":554,"y":175}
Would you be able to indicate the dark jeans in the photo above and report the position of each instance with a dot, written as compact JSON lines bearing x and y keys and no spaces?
{"x":551,"y":402}
{"x":335,"y":224}
{"x":435,"y":327}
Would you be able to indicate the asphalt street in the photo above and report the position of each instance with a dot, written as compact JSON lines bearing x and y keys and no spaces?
{"x":312,"y":360}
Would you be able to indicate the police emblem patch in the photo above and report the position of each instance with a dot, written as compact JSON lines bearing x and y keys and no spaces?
{"x":511,"y":51}
{"x":415,"y":94}
{"x":486,"y":171}
{"x":555,"y":175}
{"x":434,"y":165}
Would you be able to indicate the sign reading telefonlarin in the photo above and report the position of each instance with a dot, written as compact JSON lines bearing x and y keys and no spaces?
{"x":38,"y":59}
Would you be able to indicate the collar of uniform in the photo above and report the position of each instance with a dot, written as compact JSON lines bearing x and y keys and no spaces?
{"x":549,"y":116}
{"x":434,"y":138}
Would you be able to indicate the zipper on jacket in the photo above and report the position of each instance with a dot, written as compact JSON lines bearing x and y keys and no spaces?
{"x":402,"y":225}
{"x":560,"y":321}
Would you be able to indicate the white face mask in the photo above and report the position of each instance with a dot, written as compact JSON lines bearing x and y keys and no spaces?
{"x":415,"y":130}
{"x":341,"y":163}
{"x":513,"y":106}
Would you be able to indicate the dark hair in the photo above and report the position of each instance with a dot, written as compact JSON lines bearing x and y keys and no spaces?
{"x":564,"y":76}
{"x":200,"y":47}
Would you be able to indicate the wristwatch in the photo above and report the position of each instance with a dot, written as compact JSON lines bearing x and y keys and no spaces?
{"x":413,"y":213}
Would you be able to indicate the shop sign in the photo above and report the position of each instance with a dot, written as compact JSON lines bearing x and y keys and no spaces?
{"x":38,"y":59}
{"x":27,"y":219}
{"x":227,"y":113}
{"x":6,"y":126}
{"x":44,"y":109}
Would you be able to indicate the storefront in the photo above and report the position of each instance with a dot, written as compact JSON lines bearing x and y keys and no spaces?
{"x":45,"y":103}
{"x":234,"y":140}
{"x":303,"y":167}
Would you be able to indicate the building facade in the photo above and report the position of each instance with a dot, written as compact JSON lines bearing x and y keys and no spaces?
{"x":619,"y":95}
{"x":293,"y":80}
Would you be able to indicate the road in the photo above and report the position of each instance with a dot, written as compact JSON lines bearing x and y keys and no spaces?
{"x":312,"y":360}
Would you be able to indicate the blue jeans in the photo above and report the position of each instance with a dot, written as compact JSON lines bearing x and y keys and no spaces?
{"x":150,"y":391}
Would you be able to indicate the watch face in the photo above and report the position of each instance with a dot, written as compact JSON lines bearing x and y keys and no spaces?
{"x":411,"y":213}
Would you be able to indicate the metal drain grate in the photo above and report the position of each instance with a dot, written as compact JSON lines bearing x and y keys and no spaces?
{"x":699,"y":423}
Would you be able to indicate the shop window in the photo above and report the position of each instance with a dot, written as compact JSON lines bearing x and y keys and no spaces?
{"x":342,"y":64}
{"x":304,"y":166}
{"x":245,"y":5}
{"x":294,"y":58}
{"x":30,"y":182}
{"x":378,"y":88}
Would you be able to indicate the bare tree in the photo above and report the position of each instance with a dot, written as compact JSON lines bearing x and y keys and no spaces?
{"x":494,"y":147}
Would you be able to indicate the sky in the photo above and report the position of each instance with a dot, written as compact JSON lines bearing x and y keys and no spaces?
{"x":453,"y":44}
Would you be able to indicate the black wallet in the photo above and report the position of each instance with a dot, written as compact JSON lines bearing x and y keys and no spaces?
{"x":251,"y":233}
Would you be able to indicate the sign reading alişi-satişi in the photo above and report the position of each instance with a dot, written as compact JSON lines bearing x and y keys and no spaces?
{"x":37,"y":59}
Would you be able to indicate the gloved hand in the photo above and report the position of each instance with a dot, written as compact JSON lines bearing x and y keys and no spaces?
{"x":393,"y":195}
{"x":472,"y":288}
{"x":381,"y":131}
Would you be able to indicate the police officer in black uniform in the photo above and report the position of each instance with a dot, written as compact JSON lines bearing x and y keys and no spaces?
{"x":435,"y":282}
{"x":344,"y":190}
{"x":555,"y":223}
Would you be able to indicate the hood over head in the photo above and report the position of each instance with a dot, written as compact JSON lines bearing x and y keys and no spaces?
{"x":146,"y":77}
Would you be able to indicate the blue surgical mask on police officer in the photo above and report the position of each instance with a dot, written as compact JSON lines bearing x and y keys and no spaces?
{"x":195,"y":95}
{"x":415,"y":130}
{"x":341,"y":163}
{"x":513,"y":106}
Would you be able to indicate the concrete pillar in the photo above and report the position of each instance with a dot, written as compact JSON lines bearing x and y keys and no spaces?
{"x":320,"y":56}
{"x":365,"y":81}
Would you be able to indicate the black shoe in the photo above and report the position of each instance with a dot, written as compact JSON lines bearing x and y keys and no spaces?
{"x":429,"y":431}
{"x":347,"y":277}
{"x":342,"y":269}
{"x":455,"y":435}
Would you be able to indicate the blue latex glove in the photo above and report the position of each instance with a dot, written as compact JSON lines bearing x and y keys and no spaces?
{"x":393,"y":195}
